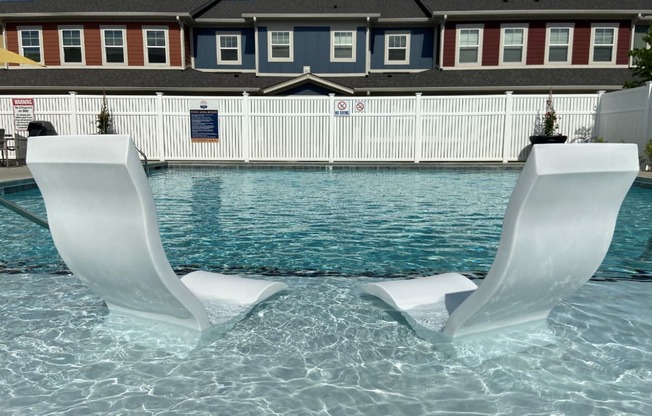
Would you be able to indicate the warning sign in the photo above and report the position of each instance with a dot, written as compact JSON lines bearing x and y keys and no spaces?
{"x":342,"y":108}
{"x":359,"y":107}
{"x":23,"y":112}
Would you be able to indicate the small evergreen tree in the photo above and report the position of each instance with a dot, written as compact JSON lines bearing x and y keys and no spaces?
{"x":642,"y":69}
{"x":648,"y":151}
{"x":104,"y":119}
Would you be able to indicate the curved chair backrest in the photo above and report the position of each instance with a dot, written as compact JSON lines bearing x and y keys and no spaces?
{"x":556,"y":232}
{"x":103,"y":222}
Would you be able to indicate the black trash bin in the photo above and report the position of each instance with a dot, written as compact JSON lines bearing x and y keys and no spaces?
{"x":40,"y":128}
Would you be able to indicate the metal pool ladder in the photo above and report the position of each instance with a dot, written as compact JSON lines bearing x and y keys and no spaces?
{"x":24,"y":213}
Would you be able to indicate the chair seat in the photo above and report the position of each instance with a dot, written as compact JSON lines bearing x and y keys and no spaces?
{"x":404,"y":295}
{"x":218,"y":287}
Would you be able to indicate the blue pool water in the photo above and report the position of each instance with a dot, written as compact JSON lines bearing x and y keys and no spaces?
{"x":320,"y":348}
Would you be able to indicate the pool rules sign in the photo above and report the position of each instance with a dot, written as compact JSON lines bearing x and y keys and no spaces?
{"x":204,"y":121}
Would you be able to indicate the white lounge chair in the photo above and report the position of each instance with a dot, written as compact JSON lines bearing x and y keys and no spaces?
{"x":103,"y":222}
{"x":557,"y":229}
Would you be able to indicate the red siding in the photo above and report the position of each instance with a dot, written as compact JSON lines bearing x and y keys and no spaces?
{"x":449,"y":45}
{"x":174,"y":35}
{"x":623,"y":44}
{"x":93,"y":44}
{"x":11,"y":36}
{"x":51,"y":51}
{"x":491,"y":44}
{"x":135,"y":55}
{"x":536,"y":43}
{"x":581,"y":43}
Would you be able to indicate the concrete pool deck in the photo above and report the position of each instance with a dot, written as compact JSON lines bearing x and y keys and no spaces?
{"x":19,"y":178}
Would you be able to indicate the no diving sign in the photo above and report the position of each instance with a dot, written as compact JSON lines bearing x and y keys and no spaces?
{"x":342,"y":108}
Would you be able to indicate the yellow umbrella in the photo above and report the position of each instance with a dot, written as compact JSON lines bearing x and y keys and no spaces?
{"x":9,"y":57}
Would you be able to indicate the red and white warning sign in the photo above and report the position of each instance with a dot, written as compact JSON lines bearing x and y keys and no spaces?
{"x":342,"y":108}
{"x":359,"y":107}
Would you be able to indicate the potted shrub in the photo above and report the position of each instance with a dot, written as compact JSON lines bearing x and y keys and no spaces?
{"x":550,"y":126}
{"x":104,"y":119}
{"x":648,"y":153}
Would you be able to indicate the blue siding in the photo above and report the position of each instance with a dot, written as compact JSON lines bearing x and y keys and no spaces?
{"x":206,"y":48}
{"x":312,"y":47}
{"x":421,"y":48}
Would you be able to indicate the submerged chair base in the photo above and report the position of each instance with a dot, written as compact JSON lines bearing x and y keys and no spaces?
{"x":427,"y":302}
{"x":227,"y":297}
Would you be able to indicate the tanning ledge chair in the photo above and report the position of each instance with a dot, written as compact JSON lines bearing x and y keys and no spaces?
{"x":103,"y":222}
{"x":557,"y":229}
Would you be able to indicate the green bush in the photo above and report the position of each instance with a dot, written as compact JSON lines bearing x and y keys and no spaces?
{"x":648,"y":151}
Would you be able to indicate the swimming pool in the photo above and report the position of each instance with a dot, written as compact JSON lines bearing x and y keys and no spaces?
{"x":321,"y":348}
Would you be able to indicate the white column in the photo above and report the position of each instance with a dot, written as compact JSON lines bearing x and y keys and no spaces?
{"x":646,"y":116}
{"x":160,"y":131}
{"x":245,"y":125}
{"x":418,"y":130}
{"x":73,"y":113}
{"x":507,"y":126}
{"x":331,"y":127}
{"x":598,"y":110}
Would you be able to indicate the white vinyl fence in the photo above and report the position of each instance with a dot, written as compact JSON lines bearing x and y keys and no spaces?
{"x":309,"y":128}
{"x":625,"y":116}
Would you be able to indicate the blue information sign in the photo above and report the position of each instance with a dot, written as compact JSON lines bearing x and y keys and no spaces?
{"x":204,"y":125}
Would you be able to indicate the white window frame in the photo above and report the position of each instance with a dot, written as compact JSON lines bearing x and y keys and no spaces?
{"x":458,"y":47}
{"x":270,"y":49}
{"x":166,"y":47}
{"x":352,"y":58}
{"x":405,"y":61}
{"x":62,"y":47}
{"x":21,"y":47}
{"x":614,"y":44}
{"x":122,"y":29}
{"x":218,"y":38}
{"x":569,"y":46}
{"x":503,"y":45}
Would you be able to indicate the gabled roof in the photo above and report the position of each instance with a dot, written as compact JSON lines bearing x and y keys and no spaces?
{"x":237,"y":9}
{"x":99,"y":8}
{"x":331,"y":85}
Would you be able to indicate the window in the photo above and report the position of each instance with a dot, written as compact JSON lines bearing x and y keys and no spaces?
{"x":469,"y":45}
{"x":513,"y":44}
{"x":342,"y":46}
{"x":228,"y":49}
{"x":156,"y":51}
{"x":280,"y":46}
{"x":559,"y":41}
{"x":30,"y":43}
{"x":113,"y":40}
{"x":603,"y":42}
{"x":397,"y":49}
{"x":639,"y":32}
{"x":72,"y":51}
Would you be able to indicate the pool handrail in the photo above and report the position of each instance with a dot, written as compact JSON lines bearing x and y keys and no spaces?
{"x":556,"y":232}
{"x":103,"y":222}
